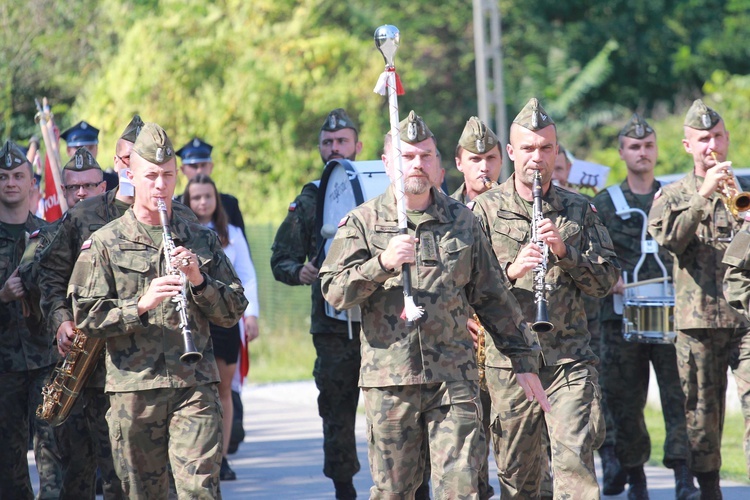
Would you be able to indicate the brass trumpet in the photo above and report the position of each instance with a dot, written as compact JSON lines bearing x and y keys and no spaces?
{"x":735,"y":201}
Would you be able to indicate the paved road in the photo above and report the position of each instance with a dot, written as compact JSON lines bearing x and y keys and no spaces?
{"x":282,"y":456}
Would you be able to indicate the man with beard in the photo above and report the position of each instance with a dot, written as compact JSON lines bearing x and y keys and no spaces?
{"x":295,"y":250}
{"x":420,"y":378}
{"x":625,"y":365}
{"x":579,"y":259}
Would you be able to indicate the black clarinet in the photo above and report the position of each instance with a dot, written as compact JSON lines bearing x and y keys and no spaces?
{"x":542,"y":323}
{"x":191,"y":354}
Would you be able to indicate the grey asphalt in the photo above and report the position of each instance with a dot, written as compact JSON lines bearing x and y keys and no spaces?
{"x":282,"y":454}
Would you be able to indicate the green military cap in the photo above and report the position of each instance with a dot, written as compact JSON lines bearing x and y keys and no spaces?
{"x":153,"y":144}
{"x":12,"y":156}
{"x":477,"y":137}
{"x":701,"y":117}
{"x":413,"y":129}
{"x":82,"y":160}
{"x":533,"y":116}
{"x":337,"y":120}
{"x":131,"y":132}
{"x":636,"y":128}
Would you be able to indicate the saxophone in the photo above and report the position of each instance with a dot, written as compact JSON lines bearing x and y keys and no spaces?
{"x":481,"y":353}
{"x":190,"y":353}
{"x":542,"y":323}
{"x":69,"y":378}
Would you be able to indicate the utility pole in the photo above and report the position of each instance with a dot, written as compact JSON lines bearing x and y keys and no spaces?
{"x":488,"y":53}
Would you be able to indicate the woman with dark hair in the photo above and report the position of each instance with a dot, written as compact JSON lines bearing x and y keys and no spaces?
{"x":202,"y":197}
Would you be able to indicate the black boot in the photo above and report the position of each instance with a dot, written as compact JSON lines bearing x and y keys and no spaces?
{"x":345,"y":490}
{"x":614,"y":476}
{"x":709,"y":483}
{"x":637,"y":481}
{"x":226,"y":473}
{"x":684,"y":488}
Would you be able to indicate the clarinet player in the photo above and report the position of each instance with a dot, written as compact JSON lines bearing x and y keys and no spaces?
{"x":580,"y":258}
{"x":163,"y":410}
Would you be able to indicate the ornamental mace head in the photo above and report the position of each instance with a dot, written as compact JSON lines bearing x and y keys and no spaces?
{"x":387,"y":39}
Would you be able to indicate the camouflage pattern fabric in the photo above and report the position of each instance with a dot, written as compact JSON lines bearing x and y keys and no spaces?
{"x":143,"y":351}
{"x":27,"y":355}
{"x":460,"y":194}
{"x":697,"y":231}
{"x":336,"y":374}
{"x":625,"y":365}
{"x":398,"y":417}
{"x":590,"y":267}
{"x":574,"y":425}
{"x":187,"y":422}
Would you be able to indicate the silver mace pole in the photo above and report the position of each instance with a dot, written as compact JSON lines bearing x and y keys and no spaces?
{"x":387,"y":39}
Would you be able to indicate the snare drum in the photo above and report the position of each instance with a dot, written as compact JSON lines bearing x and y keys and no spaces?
{"x":344,"y":186}
{"x":649,"y":320}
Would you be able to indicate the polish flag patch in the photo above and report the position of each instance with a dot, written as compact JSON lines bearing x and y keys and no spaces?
{"x":344,"y":220}
{"x":293,"y":206}
{"x":35,"y":234}
{"x":86,"y":245}
{"x":593,"y":207}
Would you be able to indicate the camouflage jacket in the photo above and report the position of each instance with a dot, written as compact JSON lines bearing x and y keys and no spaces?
{"x":590,"y":265}
{"x":115,"y":268}
{"x":737,"y":278}
{"x":626,"y":237}
{"x":296,"y":242}
{"x":460,"y":194}
{"x":56,"y":260}
{"x":24,"y":343}
{"x":696,"y":231}
{"x":454,"y":271}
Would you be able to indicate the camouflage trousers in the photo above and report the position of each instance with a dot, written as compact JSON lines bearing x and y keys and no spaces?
{"x":595,"y":329}
{"x":399,"y":417}
{"x":703,"y":358}
{"x":151,"y":428}
{"x":625,"y":378}
{"x":336,"y":375}
{"x":20,"y":394}
{"x":575,"y":427}
{"x":83,"y":441}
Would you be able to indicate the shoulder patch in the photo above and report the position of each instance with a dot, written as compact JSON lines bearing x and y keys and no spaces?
{"x":593,"y":207}
{"x":471,"y":204}
{"x":86,"y":245}
{"x":344,"y":220}
{"x":657,"y":194}
{"x":35,"y":234}
{"x":293,"y":206}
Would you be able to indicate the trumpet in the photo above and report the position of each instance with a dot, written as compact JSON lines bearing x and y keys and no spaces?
{"x":488,"y":183}
{"x":735,"y":201}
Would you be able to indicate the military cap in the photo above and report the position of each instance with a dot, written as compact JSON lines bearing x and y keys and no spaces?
{"x":82,"y":160}
{"x":133,"y":129}
{"x":81,"y":134}
{"x":477,"y":137}
{"x":636,"y":128}
{"x":701,"y":117}
{"x":533,"y":116}
{"x":195,"y":151}
{"x":413,"y":129}
{"x":153,"y":144}
{"x":337,"y":120}
{"x":12,"y":156}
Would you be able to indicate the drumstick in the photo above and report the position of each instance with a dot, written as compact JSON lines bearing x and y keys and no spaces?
{"x":647,"y":282}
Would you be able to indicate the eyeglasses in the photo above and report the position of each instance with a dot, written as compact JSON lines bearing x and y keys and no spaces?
{"x":73,"y":188}
{"x":124,"y":159}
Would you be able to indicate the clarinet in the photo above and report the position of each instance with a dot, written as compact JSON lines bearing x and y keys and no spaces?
{"x":542,"y":323}
{"x":190,"y":355}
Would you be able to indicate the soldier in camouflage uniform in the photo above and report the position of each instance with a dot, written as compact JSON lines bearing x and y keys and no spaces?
{"x":737,"y":293}
{"x":82,"y":177}
{"x":479,"y":158}
{"x":83,"y":439}
{"x":162,"y":410}
{"x":25,"y":349}
{"x":294,"y":262}
{"x":581,"y":259}
{"x":625,"y":365}
{"x":689,"y":219}
{"x":422,"y":377}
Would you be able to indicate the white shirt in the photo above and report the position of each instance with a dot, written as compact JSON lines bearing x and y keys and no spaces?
{"x":239,"y":255}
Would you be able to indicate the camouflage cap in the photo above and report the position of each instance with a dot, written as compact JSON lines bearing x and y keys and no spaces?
{"x":80,"y":134}
{"x":134,"y":128}
{"x":82,"y":160}
{"x":153,"y":144}
{"x":701,"y":117}
{"x":337,"y":120}
{"x":413,"y":129}
{"x":533,"y":116}
{"x":477,"y":137}
{"x":12,"y":156}
{"x":636,"y":128}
